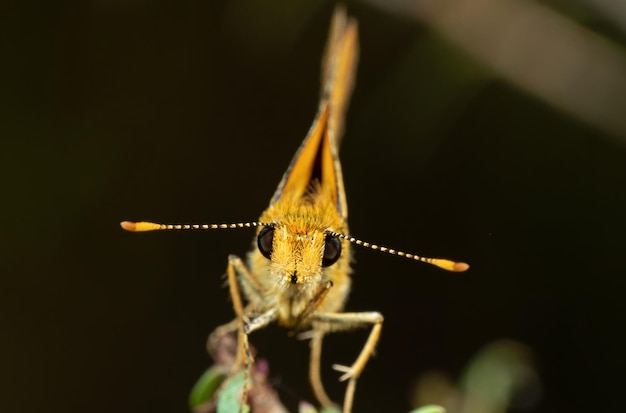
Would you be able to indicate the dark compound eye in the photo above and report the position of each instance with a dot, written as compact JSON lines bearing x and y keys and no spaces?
{"x":332,"y":251}
{"x":265,"y":240}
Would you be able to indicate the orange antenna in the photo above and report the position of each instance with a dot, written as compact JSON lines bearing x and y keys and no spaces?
{"x":442,"y":263}
{"x":153,"y":226}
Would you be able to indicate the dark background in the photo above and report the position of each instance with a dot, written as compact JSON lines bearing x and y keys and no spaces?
{"x":190,"y":111}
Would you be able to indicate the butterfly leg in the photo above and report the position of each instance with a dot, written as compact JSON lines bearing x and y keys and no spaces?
{"x":349,"y":321}
{"x":238,"y":274}
{"x":316,"y":337}
{"x":247,"y":319}
{"x":237,"y":271}
{"x":314,"y":369}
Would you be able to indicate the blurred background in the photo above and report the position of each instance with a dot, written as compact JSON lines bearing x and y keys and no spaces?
{"x":492,"y":132}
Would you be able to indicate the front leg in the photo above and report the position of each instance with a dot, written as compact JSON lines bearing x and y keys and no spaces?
{"x":348,"y":321}
{"x":245,"y":320}
{"x":238,"y":273}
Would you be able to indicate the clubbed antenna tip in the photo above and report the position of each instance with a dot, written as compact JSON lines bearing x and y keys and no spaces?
{"x":140,"y":226}
{"x":448,"y":264}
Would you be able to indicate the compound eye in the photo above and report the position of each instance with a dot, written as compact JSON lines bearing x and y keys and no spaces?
{"x":265,"y":240}
{"x":332,"y":251}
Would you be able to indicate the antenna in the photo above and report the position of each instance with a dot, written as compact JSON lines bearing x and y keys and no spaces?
{"x":442,"y":263}
{"x":153,"y":226}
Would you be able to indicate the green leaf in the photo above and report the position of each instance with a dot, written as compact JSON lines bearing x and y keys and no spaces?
{"x":204,"y":389}
{"x":228,"y":399}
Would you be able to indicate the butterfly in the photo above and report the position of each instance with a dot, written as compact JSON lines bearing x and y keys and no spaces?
{"x":298,"y":273}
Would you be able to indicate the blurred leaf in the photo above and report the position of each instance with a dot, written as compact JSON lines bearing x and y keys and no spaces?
{"x":204,"y":389}
{"x":330,"y":410}
{"x":497,"y":374}
{"x":228,"y":399}
{"x":429,"y":409}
